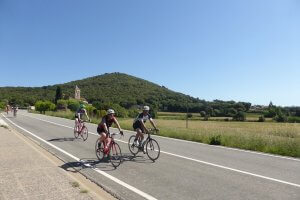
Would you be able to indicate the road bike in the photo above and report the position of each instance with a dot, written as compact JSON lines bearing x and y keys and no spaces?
{"x":150,"y":146}
{"x":81,"y":130}
{"x":112,"y":151}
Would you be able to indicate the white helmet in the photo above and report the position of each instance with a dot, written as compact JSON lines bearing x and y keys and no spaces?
{"x":147,"y":108}
{"x":110,"y":111}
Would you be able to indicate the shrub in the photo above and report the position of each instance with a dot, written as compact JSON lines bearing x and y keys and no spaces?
{"x":73,"y":104}
{"x":261,"y":119}
{"x":280,"y":117}
{"x":203,"y":113}
{"x":43,"y":106}
{"x":189,"y":115}
{"x":293,"y":119}
{"x":215,"y":140}
{"x":240,"y":116}
{"x":62,"y":104}
{"x":133,"y":113}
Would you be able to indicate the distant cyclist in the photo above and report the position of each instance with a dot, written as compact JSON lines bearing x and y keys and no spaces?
{"x":139,"y":124}
{"x":7,"y":108}
{"x":79,"y":115}
{"x":105,"y":124}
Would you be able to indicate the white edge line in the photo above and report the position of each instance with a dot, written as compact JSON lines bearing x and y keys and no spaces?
{"x":203,"y":144}
{"x":200,"y":161}
{"x":141,"y":193}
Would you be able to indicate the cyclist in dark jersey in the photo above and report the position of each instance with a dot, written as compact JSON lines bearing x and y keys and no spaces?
{"x":139,"y":124}
{"x":106,"y":122}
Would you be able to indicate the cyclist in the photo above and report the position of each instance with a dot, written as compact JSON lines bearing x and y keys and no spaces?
{"x":7,"y":108}
{"x":103,"y":127}
{"x":139,"y":124}
{"x":79,"y":115}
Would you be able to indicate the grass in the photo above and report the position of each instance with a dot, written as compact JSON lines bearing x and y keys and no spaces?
{"x":269,"y":137}
{"x":83,"y":191}
{"x":75,"y":184}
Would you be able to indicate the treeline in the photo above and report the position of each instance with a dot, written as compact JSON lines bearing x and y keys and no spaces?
{"x":123,"y":90}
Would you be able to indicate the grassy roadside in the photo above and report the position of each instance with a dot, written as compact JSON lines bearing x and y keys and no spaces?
{"x":268,"y":137}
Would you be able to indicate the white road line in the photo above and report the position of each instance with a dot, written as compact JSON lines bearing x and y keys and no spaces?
{"x":200,"y":161}
{"x":141,"y":193}
{"x":213,"y":146}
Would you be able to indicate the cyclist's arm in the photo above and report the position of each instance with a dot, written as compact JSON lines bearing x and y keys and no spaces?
{"x":153,"y":124}
{"x":118,"y":125}
{"x":85,"y":112}
{"x":105,"y":128}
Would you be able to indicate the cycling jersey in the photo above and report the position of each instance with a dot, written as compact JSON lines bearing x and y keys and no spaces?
{"x":79,"y":113}
{"x":105,"y":120}
{"x":140,"y":118}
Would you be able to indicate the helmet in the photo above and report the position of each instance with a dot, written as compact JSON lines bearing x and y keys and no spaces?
{"x":110,"y":111}
{"x":147,"y":108}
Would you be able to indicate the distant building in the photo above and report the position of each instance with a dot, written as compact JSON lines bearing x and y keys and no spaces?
{"x":77,"y":93}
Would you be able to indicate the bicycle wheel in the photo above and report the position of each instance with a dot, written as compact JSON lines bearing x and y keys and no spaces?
{"x":76,"y":134}
{"x":133,"y":148}
{"x":84,"y":133}
{"x":115,"y":155}
{"x":152,"y":149}
{"x":99,"y":149}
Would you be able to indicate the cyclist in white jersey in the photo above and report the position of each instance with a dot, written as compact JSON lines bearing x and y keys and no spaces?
{"x":139,"y":124}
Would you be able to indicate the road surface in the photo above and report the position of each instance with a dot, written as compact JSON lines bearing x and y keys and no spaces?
{"x":184,"y":170}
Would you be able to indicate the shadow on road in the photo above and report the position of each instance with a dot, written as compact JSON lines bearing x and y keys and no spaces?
{"x":61,"y":139}
{"x":128,"y":157}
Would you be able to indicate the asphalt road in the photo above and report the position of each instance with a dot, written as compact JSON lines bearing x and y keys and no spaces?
{"x":184,"y":170}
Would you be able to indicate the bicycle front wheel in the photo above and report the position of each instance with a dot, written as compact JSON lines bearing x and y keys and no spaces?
{"x":152,"y":149}
{"x":84,"y":133}
{"x":99,"y":149}
{"x":76,"y":134}
{"x":115,"y":155}
{"x":133,"y":148}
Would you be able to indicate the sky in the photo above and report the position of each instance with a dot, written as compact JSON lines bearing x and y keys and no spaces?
{"x":241,"y":50}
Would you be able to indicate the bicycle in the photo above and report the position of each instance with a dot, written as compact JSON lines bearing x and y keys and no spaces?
{"x":113,"y":151}
{"x":150,"y":146}
{"x":81,"y":129}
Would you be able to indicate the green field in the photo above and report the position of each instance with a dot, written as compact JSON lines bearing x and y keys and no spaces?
{"x":269,"y":137}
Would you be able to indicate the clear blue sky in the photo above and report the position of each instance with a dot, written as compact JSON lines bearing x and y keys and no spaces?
{"x":242,"y":50}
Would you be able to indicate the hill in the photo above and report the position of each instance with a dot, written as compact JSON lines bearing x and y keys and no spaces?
{"x":124,"y":90}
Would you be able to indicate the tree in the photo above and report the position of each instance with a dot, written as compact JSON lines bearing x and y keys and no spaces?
{"x":73,"y":104}
{"x":240,"y":116}
{"x":58,"y":94}
{"x":62,"y":104}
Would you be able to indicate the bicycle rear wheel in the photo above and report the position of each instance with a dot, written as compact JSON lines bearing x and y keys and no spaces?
{"x":76,"y":134}
{"x":133,"y":148}
{"x":115,"y":155}
{"x":99,"y":149}
{"x":84,"y":133}
{"x":152,"y":149}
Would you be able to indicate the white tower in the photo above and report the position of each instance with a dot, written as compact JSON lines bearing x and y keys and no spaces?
{"x":77,"y":93}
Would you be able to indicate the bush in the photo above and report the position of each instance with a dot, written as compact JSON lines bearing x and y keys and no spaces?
{"x":280,"y":117}
{"x":62,"y":104}
{"x":73,"y":104}
{"x":215,"y":140}
{"x":2,"y":105}
{"x":261,"y":119}
{"x":203,"y":113}
{"x":240,"y":116}
{"x":43,"y":106}
{"x":133,"y":113}
{"x":189,"y":115}
{"x":293,"y":119}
